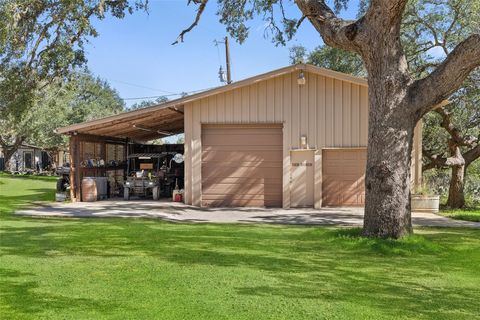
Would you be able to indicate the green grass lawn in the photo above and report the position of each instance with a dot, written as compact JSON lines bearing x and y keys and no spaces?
{"x":469,"y":214}
{"x":149,"y":269}
{"x":22,"y":190}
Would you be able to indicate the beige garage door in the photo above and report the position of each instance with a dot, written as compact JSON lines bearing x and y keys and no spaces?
{"x":343,"y":177}
{"x":242,"y":166}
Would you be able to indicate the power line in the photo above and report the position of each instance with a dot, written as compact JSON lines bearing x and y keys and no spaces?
{"x":127,"y":83}
{"x":139,"y":86}
{"x":168,"y":95}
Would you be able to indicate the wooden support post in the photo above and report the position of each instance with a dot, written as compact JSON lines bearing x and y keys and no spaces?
{"x":75,"y":192}
{"x":125,"y":156}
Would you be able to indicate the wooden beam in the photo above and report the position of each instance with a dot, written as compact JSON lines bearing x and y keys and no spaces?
{"x":127,"y":126}
{"x":176,"y":110}
{"x":153,"y":135}
{"x":96,"y":138}
{"x":132,"y":131}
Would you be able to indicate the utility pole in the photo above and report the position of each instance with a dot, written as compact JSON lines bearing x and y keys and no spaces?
{"x":227,"y":54}
{"x":221,"y":74}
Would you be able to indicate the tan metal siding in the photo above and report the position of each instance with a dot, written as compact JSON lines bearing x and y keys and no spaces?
{"x":312,"y":109}
{"x":287,"y":131}
{"x":242,"y":166}
{"x":355,"y":115}
{"x":330,"y":112}
{"x":363,"y":116}
{"x":321,"y":111}
{"x":328,"y":121}
{"x":347,"y":114}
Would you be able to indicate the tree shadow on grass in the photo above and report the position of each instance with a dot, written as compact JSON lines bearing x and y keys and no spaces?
{"x":22,"y":298}
{"x":328,"y":264}
{"x":10,"y":203}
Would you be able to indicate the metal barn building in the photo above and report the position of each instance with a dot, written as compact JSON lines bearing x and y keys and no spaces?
{"x":292,"y":137}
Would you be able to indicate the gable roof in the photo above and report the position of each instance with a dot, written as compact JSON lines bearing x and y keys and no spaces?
{"x":173,"y":110}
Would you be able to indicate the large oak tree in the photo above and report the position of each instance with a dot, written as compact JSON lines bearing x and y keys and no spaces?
{"x":431,"y":29}
{"x":397,"y":101}
{"x":41,"y":43}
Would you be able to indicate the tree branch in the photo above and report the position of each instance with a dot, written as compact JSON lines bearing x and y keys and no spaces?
{"x":472,"y":155}
{"x":335,"y":32}
{"x":385,"y":13}
{"x":439,"y":162}
{"x":435,"y":161}
{"x":425,"y":93}
{"x":200,"y":10}
{"x":455,"y":134}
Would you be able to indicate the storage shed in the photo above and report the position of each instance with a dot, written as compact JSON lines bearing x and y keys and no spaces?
{"x":292,"y":137}
{"x":27,"y":158}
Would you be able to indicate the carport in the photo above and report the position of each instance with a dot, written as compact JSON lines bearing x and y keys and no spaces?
{"x":99,"y":148}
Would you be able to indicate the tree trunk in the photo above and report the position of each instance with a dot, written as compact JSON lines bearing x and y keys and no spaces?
{"x":456,"y":197}
{"x":387,"y":184}
{"x":53,"y":155}
{"x":7,"y":154}
{"x":390,"y":141}
{"x":9,"y":150}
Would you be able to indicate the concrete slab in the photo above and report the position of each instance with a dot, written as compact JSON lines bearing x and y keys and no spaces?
{"x":180,"y":212}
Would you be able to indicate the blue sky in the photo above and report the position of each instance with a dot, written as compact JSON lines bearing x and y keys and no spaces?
{"x":136,"y":56}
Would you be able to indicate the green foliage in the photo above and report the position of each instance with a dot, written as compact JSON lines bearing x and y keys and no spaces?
{"x":279,"y":27}
{"x":430,"y":31}
{"x":148,"y":103}
{"x":424,"y":190}
{"x":330,"y":58}
{"x":41,"y":43}
{"x":45,"y":38}
{"x":298,"y":54}
{"x":338,"y":60}
{"x":438,"y":181}
{"x":432,"y":28}
{"x":83,"y":98}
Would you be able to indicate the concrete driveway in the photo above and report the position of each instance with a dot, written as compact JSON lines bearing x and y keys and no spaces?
{"x":180,"y":212}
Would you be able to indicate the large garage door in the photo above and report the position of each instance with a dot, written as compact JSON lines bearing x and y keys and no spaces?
{"x":343,"y":177}
{"x":242,"y":166}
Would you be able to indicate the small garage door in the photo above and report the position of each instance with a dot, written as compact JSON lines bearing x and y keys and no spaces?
{"x":242,"y":166}
{"x":343,"y":177}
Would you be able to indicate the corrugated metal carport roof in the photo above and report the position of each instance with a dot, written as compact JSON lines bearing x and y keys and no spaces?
{"x":168,"y":118}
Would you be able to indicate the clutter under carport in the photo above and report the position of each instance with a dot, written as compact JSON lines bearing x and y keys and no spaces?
{"x":106,"y":167}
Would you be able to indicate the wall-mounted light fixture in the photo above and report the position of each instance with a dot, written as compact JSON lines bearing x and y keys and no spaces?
{"x":303,"y":142}
{"x":301,"y":78}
